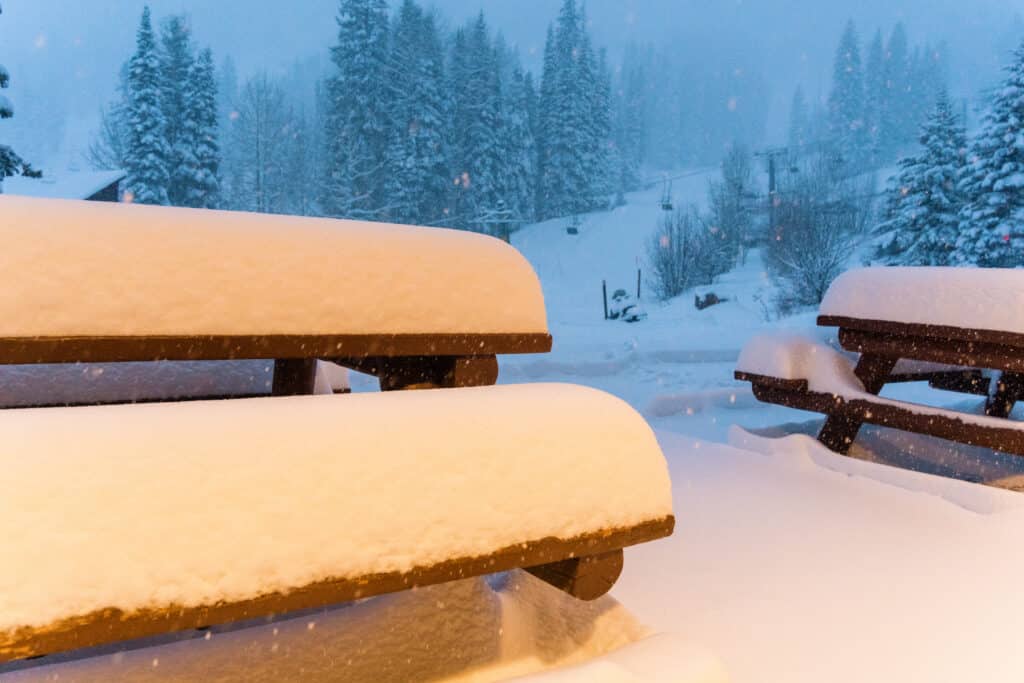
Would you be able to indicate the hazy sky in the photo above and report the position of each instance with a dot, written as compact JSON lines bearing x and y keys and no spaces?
{"x":72,"y":49}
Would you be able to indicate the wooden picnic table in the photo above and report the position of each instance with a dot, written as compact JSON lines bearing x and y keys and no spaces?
{"x":882,"y":344}
{"x":963,"y":329}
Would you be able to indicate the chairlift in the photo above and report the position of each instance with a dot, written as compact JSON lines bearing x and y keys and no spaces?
{"x":574,"y":226}
{"x":666,"y":197}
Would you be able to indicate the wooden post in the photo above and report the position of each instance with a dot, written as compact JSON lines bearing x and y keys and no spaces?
{"x":638,"y":272}
{"x":294,"y":377}
{"x":604,"y":292}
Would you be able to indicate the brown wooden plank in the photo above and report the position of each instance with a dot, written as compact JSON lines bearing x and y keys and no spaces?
{"x":951,"y":428}
{"x":947,"y":351}
{"x":113,"y":625}
{"x":776,"y":382}
{"x":30,"y":351}
{"x":942,"y":332}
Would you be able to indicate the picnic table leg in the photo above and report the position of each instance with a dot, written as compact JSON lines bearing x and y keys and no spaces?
{"x":839,"y":431}
{"x":294,"y":377}
{"x":1009,"y":388}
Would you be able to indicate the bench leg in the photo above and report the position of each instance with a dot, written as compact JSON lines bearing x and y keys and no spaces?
{"x":1009,"y":388}
{"x":584,"y":578}
{"x":839,"y":431}
{"x":294,"y":377}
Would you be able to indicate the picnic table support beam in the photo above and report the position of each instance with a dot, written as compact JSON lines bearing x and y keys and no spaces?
{"x":839,"y":431}
{"x":427,"y":372}
{"x":584,"y":578}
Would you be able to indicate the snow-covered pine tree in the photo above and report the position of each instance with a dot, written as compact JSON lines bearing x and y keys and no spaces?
{"x":259,"y":140}
{"x":572,"y":170}
{"x":417,"y":177}
{"x":846,"y":102}
{"x":11,"y":163}
{"x":897,"y":120}
{"x":176,"y":65}
{"x":991,"y":220}
{"x":519,"y":152}
{"x":147,"y":156}
{"x":631,"y":120}
{"x":922,"y":208}
{"x":476,"y":115}
{"x":601,"y":176}
{"x":799,"y":122}
{"x":874,"y":97}
{"x":198,"y":146}
{"x":358,"y":113}
{"x":544,"y":129}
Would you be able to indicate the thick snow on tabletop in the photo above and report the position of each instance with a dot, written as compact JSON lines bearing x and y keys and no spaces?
{"x":971,"y":298}
{"x":191,"y":504}
{"x":90,"y":268}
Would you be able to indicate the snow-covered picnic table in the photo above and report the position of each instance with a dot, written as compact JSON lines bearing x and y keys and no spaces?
{"x":967,"y":321}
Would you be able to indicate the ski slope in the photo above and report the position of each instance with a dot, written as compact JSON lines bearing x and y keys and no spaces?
{"x":676,"y":366}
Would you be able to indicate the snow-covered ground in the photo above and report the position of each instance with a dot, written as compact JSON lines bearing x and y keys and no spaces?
{"x":789,"y":563}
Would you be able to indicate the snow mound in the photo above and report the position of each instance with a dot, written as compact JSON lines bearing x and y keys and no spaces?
{"x":196,"y":503}
{"x":90,"y":268}
{"x":971,"y":298}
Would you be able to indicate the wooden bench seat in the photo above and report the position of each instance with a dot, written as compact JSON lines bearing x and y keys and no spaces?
{"x":123,"y":522}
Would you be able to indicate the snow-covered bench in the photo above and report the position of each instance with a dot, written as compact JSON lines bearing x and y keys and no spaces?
{"x":122,"y":522}
{"x":91,"y":282}
{"x":967,"y":324}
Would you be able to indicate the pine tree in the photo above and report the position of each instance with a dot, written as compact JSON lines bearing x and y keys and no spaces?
{"x":417,"y":178}
{"x":476,"y":124}
{"x":176,"y":70}
{"x":631,"y":121}
{"x":259,"y":159}
{"x":923,"y":204}
{"x":10,"y":163}
{"x":198,"y":146}
{"x":519,"y":150}
{"x":846,"y":101}
{"x":994,"y":181}
{"x":358,"y":113}
{"x":875,"y":96}
{"x":147,"y":151}
{"x":799,"y":121}
{"x":544,"y":129}
{"x":897,"y":121}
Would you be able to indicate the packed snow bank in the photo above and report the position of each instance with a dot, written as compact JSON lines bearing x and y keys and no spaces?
{"x":796,"y":564}
{"x":972,"y":298}
{"x":90,"y":268}
{"x":191,"y":504}
{"x":78,"y":383}
{"x":473,"y":631}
